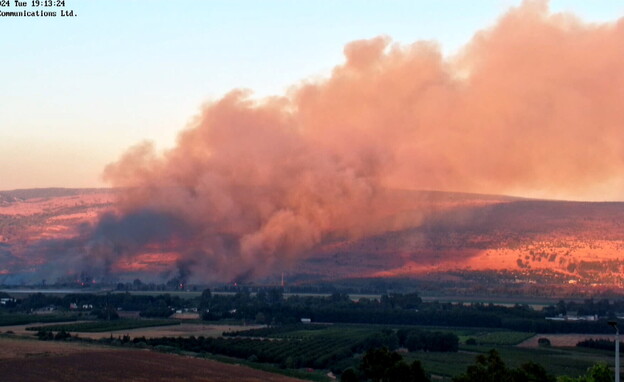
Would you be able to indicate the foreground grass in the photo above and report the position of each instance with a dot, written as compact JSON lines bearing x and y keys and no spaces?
{"x":310,"y":375}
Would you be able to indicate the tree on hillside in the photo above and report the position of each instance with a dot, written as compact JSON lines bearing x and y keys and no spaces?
{"x":531,"y":372}
{"x":598,"y":373}
{"x":205,"y":299}
{"x":349,"y":375}
{"x":491,"y":368}
{"x":487,"y":368}
{"x":376,"y":362}
{"x":383,"y":365}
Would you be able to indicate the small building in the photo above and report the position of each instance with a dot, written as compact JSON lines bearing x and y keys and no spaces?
{"x":573,"y":316}
{"x":45,"y":310}
{"x":6,"y":300}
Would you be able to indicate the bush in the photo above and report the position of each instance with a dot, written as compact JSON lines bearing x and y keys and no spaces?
{"x":432,"y":341}
{"x":543,"y":342}
{"x":349,"y":375}
{"x":384,"y":365}
{"x":44,"y":335}
{"x":62,"y":335}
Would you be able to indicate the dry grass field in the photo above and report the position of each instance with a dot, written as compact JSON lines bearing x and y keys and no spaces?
{"x":33,"y":361}
{"x":17,"y":348}
{"x":560,"y":340}
{"x":182,"y":330}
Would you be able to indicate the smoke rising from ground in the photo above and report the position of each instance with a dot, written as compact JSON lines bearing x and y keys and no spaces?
{"x":531,"y":107}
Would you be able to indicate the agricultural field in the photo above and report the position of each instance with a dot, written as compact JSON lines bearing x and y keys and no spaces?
{"x":445,"y":338}
{"x":562,"y":340}
{"x":177,"y":329}
{"x":21,"y":319}
{"x":557,"y":361}
{"x":561,"y":358}
{"x":18,"y":347}
{"x":104,"y":326}
{"x":294,"y":349}
{"x":38,"y":361}
{"x":493,"y":337}
{"x":335,"y":339}
{"x":316,"y":349}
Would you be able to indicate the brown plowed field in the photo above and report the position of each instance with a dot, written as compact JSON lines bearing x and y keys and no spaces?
{"x":34,"y":361}
{"x":563,"y":339}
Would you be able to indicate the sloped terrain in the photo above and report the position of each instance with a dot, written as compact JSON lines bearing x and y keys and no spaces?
{"x":581,"y":241}
{"x":429,"y":232}
{"x":28,"y":216}
{"x":34,"y":361}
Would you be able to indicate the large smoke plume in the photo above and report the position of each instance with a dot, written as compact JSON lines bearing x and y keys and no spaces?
{"x":531,"y":107}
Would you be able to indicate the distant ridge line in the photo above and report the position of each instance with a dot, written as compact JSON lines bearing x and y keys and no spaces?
{"x":51,"y":192}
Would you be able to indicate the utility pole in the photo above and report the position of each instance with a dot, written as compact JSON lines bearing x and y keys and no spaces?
{"x":107,"y":307}
{"x":617,"y":350}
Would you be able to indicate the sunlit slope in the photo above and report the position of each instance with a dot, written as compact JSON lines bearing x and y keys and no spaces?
{"x":30,"y":216}
{"x":581,"y":240}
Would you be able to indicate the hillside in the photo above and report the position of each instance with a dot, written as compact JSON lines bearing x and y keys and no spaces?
{"x":28,"y":216}
{"x":579,"y":241}
{"x":432,"y":232}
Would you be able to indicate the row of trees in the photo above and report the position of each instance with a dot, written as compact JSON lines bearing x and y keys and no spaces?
{"x":104,"y":306}
{"x":588,"y":307}
{"x":598,"y":343}
{"x":269,"y":306}
{"x":394,"y":309}
{"x":415,"y":340}
{"x":383,"y":365}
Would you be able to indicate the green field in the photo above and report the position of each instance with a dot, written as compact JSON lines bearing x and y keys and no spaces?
{"x":350,"y":330}
{"x":570,"y":362}
{"x":324,"y":340}
{"x":23,"y":319}
{"x":295,"y":348}
{"x":493,"y":337}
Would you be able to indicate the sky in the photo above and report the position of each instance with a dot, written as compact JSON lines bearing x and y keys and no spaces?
{"x":77,"y":92}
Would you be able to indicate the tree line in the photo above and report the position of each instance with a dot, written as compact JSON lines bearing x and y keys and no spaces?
{"x":269,"y":306}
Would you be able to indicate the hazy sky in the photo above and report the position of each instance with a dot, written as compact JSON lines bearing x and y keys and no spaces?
{"x":77,"y":92}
